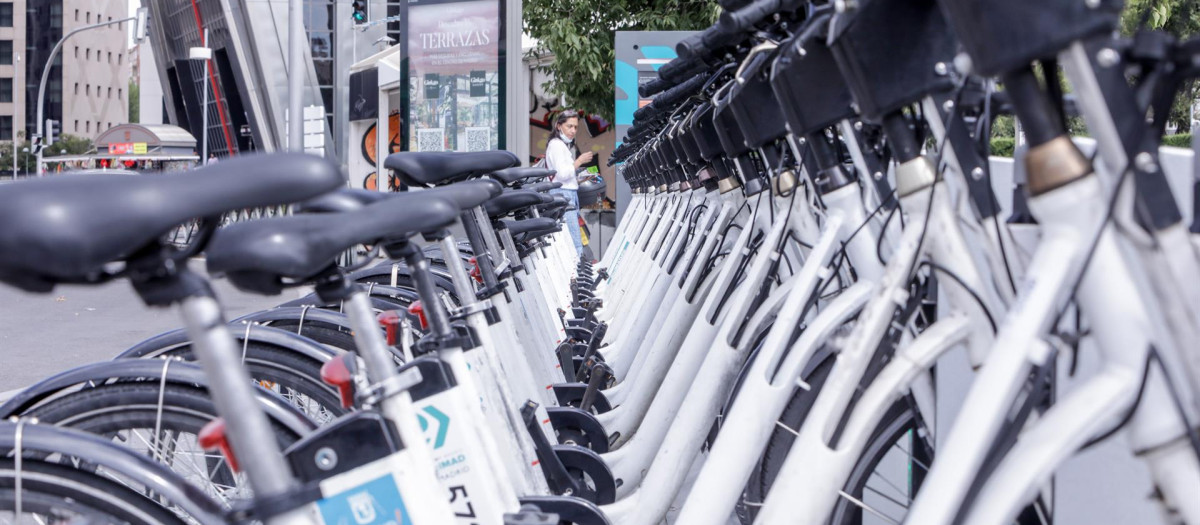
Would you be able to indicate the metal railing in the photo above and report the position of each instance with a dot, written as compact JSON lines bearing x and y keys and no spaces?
{"x":183,"y":234}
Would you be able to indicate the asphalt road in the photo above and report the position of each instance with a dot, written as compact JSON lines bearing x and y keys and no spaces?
{"x":41,"y":334}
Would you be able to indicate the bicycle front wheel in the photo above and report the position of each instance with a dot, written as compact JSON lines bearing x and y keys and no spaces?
{"x":53,"y":493}
{"x":165,"y":428}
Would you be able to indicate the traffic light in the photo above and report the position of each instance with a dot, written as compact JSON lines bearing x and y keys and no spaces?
{"x":359,"y":11}
{"x":52,"y":131}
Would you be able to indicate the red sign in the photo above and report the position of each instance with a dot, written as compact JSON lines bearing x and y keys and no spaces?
{"x":121,"y":148}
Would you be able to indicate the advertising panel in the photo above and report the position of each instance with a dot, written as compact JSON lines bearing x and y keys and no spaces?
{"x":454,"y":76}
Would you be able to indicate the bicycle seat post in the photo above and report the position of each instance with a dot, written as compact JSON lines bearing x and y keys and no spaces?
{"x":161,"y":282}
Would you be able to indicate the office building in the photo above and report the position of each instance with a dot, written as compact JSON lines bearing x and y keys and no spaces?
{"x":87,"y":88}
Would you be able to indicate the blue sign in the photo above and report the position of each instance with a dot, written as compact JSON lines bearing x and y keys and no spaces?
{"x":377,"y":502}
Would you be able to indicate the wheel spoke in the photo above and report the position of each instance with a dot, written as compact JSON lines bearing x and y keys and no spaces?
{"x":866,"y":507}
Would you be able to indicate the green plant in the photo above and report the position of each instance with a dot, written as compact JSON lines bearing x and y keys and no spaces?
{"x":67,"y":144}
{"x":1182,"y":140}
{"x":1003,"y":146}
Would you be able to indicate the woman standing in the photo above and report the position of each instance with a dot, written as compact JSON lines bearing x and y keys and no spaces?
{"x":562,"y":156}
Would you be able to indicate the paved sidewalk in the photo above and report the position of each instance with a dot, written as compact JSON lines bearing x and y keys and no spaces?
{"x":41,"y":334}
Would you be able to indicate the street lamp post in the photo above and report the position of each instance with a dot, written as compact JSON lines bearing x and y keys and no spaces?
{"x":140,"y":18}
{"x":16,"y":137}
{"x":203,"y":53}
{"x":17,"y":59}
{"x":297,"y":37}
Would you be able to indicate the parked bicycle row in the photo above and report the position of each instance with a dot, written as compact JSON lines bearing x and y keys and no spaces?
{"x":813,"y":225}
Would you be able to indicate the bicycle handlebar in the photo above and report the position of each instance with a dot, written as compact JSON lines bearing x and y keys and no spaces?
{"x":670,"y":97}
{"x":749,"y":16}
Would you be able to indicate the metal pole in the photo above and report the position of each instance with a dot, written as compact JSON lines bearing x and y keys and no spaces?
{"x":296,"y":38}
{"x":16,"y":135}
{"x":41,"y":103}
{"x":204,"y":108}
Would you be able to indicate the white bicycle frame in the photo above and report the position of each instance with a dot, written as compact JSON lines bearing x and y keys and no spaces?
{"x":769,"y":383}
{"x":412,"y":468}
{"x":1110,"y":298}
{"x":673,"y":450}
{"x":816,"y":466}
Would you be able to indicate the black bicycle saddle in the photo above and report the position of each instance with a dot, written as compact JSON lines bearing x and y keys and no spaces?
{"x":440,"y":167}
{"x":466,"y":194}
{"x":529,"y":225}
{"x":259,"y":255}
{"x":511,"y":176}
{"x":543,"y":187}
{"x":510,"y":201}
{"x":65,"y":228}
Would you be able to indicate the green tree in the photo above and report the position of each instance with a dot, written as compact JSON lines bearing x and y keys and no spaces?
{"x":579,"y":33}
{"x":135,"y":106}
{"x":1177,"y":17}
{"x":25,"y":160}
{"x":67,"y":144}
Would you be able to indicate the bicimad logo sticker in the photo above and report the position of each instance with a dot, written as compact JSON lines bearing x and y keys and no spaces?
{"x":440,"y":426}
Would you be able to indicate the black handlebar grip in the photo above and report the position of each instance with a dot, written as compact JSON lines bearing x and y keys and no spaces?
{"x":644,"y":112}
{"x":679,"y":69}
{"x":749,"y":16}
{"x":673,"y":70}
{"x":718,"y":36}
{"x":691,"y":47}
{"x":672,"y":96}
{"x":654,"y":87}
{"x":732,"y":5}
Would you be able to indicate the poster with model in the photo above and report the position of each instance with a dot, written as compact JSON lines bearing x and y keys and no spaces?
{"x":454,"y":75}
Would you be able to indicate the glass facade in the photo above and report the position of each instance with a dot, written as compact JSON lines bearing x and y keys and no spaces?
{"x":318,"y":20}
{"x":183,"y":21}
{"x":40,"y":39}
{"x":179,"y":23}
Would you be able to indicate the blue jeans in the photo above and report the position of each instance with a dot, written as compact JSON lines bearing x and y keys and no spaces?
{"x":572,"y":217}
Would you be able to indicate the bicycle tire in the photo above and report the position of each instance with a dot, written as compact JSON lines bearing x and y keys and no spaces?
{"x":899,"y":420}
{"x":295,"y":377}
{"x":62,"y":492}
{"x":326,"y":334}
{"x":127,"y":413}
{"x":781,"y":440}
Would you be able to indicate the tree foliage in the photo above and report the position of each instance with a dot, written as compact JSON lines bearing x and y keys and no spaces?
{"x":67,"y":144}
{"x":26,"y":161}
{"x":1177,"y":17}
{"x":579,"y":33}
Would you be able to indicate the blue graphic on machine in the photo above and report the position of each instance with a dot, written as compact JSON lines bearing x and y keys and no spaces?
{"x":639,"y":54}
{"x":376,"y":502}
{"x":440,"y":422}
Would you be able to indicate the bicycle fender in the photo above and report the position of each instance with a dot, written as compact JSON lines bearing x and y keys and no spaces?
{"x":403,"y":272}
{"x":178,"y":373}
{"x":266,"y":335}
{"x":590,"y":463}
{"x":585,"y":422}
{"x":312,"y":301}
{"x":574,"y":511}
{"x":155,"y":477}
